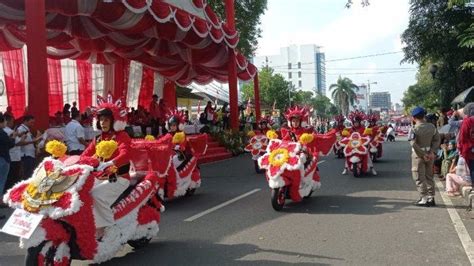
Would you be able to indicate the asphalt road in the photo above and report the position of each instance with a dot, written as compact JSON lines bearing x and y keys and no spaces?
{"x":350,"y":221}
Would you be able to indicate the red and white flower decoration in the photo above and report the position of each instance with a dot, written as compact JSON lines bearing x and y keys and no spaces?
{"x":379,"y":138}
{"x":355,"y":144}
{"x":257,"y":145}
{"x":280,"y":156}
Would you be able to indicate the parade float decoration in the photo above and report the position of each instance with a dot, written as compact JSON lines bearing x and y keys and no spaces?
{"x":356,"y":152}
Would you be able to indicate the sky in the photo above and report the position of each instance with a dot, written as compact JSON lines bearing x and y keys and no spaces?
{"x":345,"y":33}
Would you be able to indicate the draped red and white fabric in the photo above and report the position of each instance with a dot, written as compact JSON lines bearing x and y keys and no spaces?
{"x":182,"y":40}
{"x":12,"y":62}
{"x":55,"y":90}
{"x":84,"y":74}
{"x":146,"y":88}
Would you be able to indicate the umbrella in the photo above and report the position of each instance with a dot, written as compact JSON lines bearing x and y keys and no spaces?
{"x":464,"y":97}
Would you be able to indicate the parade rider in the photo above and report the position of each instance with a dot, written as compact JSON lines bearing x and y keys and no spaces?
{"x":297,"y":118}
{"x":372,"y":119}
{"x":175,"y":122}
{"x":264,"y":126}
{"x":357,"y":117}
{"x":111,"y":121}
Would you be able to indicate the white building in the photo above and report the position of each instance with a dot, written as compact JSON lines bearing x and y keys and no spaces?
{"x":304,"y":66}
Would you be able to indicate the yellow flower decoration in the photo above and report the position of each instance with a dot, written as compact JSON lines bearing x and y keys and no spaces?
{"x":271,"y":134}
{"x":56,"y":148}
{"x":33,"y":200}
{"x":106,"y":148}
{"x":306,"y":138}
{"x":345,"y":132}
{"x":149,"y":138}
{"x":368,"y":131}
{"x":179,"y":138}
{"x":278,"y":157}
{"x":251,"y":134}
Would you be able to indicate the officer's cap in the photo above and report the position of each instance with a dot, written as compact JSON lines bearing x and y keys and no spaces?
{"x":417,"y":111}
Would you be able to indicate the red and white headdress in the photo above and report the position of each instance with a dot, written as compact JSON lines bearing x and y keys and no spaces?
{"x":373,"y":118}
{"x":339,"y":119}
{"x":297,"y":111}
{"x":118,"y":108}
{"x":178,"y":117}
{"x":357,"y":116}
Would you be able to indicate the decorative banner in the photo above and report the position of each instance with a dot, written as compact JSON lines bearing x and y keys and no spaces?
{"x":146,"y":88}
{"x":14,"y":80}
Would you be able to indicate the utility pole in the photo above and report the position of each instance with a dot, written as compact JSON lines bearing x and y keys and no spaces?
{"x":368,"y":94}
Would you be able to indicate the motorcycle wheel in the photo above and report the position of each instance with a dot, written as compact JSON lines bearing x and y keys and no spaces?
{"x":374,"y":157}
{"x":278,"y":198}
{"x":190,"y":192}
{"x":32,"y":255}
{"x":355,"y":170}
{"x":139,"y":243}
{"x":257,"y":168}
{"x":309,"y":195}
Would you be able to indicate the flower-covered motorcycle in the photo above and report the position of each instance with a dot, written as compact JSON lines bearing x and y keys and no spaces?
{"x":356,"y":152}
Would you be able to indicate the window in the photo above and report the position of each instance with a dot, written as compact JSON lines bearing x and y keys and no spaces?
{"x":289,"y":65}
{"x":299,"y":65}
{"x":289,"y":75}
{"x":299,"y":74}
{"x":300,"y":84}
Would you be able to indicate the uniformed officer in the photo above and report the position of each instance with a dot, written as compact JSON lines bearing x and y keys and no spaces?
{"x":424,"y":140}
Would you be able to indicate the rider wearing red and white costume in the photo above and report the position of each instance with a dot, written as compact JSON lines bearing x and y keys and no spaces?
{"x":373,"y":119}
{"x":175,"y":124}
{"x":264,"y":126}
{"x":111,"y":120}
{"x":297,"y":118}
{"x":357,"y":117}
{"x":339,"y":119}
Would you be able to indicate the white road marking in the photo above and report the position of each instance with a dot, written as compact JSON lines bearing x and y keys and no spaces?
{"x":322,"y":161}
{"x":213,"y":209}
{"x":461,"y":230}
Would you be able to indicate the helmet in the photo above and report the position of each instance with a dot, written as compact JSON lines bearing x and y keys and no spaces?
{"x":114,"y":109}
{"x":373,"y":118}
{"x":339,"y":119}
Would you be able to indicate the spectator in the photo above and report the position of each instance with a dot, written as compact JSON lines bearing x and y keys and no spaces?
{"x":28,"y":150}
{"x":155,"y":114}
{"x":250,"y":121}
{"x":75,"y":136}
{"x":202,"y":119}
{"x":225,"y":116}
{"x":74,"y":109}
{"x":210,"y":113}
{"x":449,"y":155}
{"x":466,"y":139}
{"x":66,"y":108}
{"x":458,"y":176}
{"x":14,"y":175}
{"x":66,"y":117}
{"x":6,"y":143}
{"x":9,"y":111}
{"x":390,"y":133}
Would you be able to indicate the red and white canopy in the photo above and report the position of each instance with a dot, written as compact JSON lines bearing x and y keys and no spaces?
{"x":183,"y":40}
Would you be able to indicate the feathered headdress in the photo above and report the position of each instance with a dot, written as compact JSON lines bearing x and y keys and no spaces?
{"x":339,"y":119}
{"x":118,"y":108}
{"x":373,"y":118}
{"x":178,"y":116}
{"x":357,"y":116}
{"x":297,"y":111}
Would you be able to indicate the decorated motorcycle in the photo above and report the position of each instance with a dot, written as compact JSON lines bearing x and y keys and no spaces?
{"x":258,"y":143}
{"x":291,"y":164}
{"x":341,"y":133}
{"x":59,"y":193}
{"x":356,"y":152}
{"x":183,"y":176}
{"x":376,"y":137}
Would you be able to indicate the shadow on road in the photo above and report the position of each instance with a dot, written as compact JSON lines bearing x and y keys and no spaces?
{"x":207,"y":253}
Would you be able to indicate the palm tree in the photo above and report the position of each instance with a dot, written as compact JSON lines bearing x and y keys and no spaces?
{"x":344,"y":94}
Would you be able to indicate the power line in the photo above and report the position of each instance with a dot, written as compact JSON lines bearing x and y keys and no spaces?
{"x":368,"y":69}
{"x":356,"y":73}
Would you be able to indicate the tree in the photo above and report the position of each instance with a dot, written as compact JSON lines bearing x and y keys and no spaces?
{"x":273,"y":89}
{"x":433,"y":36}
{"x":247,"y":22}
{"x":343,"y":94}
{"x":323,"y":106}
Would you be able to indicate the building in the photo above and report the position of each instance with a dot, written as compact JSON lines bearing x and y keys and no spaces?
{"x":380,"y":100}
{"x":304,"y":66}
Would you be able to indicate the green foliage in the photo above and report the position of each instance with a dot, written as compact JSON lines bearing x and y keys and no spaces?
{"x":434,"y":34}
{"x":273,"y":88}
{"x":344,"y":94}
{"x":232,"y":141}
{"x":247,"y":21}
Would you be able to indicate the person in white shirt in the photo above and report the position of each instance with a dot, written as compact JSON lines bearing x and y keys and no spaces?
{"x":75,"y":137}
{"x":14,"y":175}
{"x":28,"y":150}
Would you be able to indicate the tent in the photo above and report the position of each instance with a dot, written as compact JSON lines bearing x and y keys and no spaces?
{"x":182,"y":40}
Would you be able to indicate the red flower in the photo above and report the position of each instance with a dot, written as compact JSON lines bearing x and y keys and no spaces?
{"x":257,"y":145}
{"x":281,"y":156}
{"x":355,"y":143}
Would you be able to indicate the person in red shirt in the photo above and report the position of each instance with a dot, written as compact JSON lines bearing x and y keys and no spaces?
{"x":111,"y":120}
{"x":263,"y":126}
{"x":297,"y":118}
{"x":373,"y":119}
